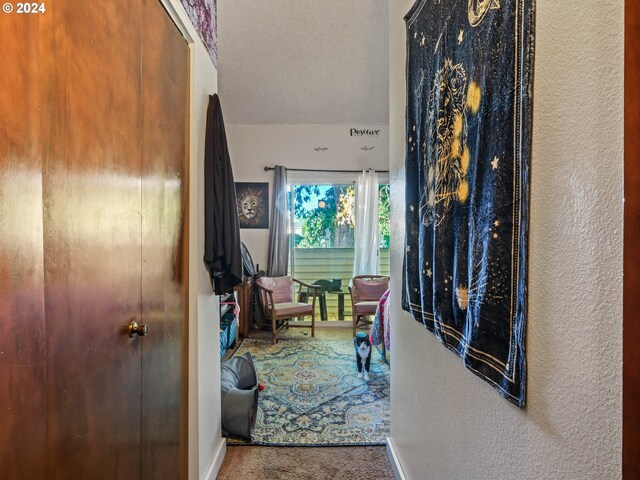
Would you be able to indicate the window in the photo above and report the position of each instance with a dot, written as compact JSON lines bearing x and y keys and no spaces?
{"x":384,"y":211}
{"x":323,"y":219}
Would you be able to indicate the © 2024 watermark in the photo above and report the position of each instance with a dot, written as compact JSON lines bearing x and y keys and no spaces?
{"x":24,"y":8}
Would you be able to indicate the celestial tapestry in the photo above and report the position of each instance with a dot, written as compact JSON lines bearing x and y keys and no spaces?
{"x":469,"y":90}
{"x":202,"y":14}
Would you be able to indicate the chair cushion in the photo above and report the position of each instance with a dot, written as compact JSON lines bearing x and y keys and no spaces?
{"x":369,"y":289}
{"x":282,"y":289}
{"x":293,"y":309}
{"x":366,"y":308}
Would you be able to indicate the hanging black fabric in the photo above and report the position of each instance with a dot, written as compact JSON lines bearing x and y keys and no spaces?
{"x":221,"y":232}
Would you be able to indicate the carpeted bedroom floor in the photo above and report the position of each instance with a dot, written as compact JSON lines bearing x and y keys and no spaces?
{"x":306,"y":463}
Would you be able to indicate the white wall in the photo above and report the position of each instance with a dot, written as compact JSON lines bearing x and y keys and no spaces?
{"x":446,"y":422}
{"x":206,"y":446}
{"x":253,"y":147}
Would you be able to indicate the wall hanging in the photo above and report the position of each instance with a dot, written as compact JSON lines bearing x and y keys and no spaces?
{"x":252,"y":200}
{"x":469,"y":89}
{"x":203,"y":15}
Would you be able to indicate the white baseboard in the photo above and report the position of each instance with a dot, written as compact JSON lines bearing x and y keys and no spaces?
{"x":216,"y":461}
{"x":395,"y":460}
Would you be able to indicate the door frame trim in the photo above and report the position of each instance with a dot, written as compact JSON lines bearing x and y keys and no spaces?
{"x":190,"y":458}
{"x":631,"y":283}
{"x":180,"y":24}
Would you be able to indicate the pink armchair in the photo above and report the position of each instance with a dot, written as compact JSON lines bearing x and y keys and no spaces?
{"x":366,"y":291}
{"x":277,"y":295}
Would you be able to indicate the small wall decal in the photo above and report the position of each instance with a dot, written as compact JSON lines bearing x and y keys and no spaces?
{"x":365,"y":132}
{"x":366,"y":149}
{"x":321,"y":149}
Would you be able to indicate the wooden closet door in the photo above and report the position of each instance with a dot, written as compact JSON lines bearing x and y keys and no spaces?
{"x":24,"y":108}
{"x":92,"y":241}
{"x":165,"y":96}
{"x":93,"y":152}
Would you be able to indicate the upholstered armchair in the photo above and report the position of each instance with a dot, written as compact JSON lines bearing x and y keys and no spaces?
{"x":365,"y":291}
{"x":280,"y":305}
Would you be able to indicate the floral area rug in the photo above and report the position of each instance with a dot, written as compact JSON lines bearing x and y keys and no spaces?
{"x":312,"y":395}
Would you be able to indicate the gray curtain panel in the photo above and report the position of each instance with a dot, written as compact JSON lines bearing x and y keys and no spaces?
{"x":278,"y":240}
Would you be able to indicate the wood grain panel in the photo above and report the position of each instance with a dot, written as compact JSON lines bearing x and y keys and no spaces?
{"x":165,"y":68}
{"x":24,"y":104}
{"x":93,"y":152}
{"x":92,"y":246}
{"x":631,"y":329}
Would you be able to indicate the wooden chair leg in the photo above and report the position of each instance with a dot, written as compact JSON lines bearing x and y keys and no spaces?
{"x":273,"y":329}
{"x":355,"y":324}
{"x":313,"y":324}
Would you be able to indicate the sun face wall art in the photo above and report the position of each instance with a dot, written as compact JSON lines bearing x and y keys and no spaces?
{"x":468,"y":117}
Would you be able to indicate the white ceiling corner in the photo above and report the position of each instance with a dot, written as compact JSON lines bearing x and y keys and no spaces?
{"x":303,"y":62}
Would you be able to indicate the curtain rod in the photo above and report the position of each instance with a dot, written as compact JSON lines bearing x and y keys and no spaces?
{"x":266,"y":169}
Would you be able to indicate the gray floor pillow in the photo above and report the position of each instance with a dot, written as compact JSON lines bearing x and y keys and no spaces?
{"x":239,"y":392}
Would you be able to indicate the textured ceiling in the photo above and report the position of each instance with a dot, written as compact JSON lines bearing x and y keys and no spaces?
{"x":303,"y":61}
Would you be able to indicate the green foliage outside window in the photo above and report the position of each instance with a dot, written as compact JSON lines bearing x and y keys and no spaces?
{"x":384,"y":207}
{"x":325,"y":216}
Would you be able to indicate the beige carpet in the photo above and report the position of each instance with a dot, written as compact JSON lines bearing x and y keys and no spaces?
{"x":306,"y":463}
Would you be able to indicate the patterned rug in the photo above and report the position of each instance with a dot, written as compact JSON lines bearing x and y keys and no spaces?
{"x":312,"y":395}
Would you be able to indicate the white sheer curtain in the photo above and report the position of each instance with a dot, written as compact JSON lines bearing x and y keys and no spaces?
{"x":367,"y":260}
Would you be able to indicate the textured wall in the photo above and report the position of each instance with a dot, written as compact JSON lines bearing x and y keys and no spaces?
{"x":205,"y":432}
{"x":252,"y":147}
{"x":447,"y":423}
{"x":303,"y":61}
{"x":205,"y":325}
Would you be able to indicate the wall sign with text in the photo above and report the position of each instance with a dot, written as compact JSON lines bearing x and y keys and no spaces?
{"x":365,"y":132}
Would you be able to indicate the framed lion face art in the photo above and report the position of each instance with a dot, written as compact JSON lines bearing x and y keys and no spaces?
{"x":252,"y":200}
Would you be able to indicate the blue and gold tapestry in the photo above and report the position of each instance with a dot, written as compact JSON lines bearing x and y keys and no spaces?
{"x":469,"y":89}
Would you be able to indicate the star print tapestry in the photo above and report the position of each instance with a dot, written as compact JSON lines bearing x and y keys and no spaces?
{"x":469,"y":91}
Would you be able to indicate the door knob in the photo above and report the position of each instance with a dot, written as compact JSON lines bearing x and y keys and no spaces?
{"x":137,"y":329}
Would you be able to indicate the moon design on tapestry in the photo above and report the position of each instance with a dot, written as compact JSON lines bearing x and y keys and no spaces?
{"x":446,"y":160}
{"x":479,"y":8}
